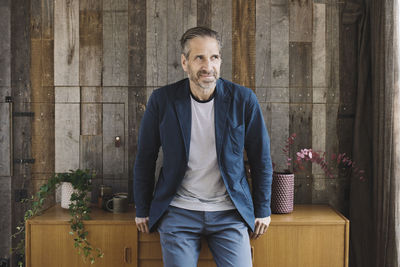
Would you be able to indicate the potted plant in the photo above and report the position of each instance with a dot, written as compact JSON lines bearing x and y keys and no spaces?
{"x":282,"y":194}
{"x":79,"y":208}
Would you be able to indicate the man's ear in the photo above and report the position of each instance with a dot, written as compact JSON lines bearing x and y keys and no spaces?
{"x":184,"y":62}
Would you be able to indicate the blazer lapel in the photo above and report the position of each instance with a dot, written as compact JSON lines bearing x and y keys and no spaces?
{"x":184,"y":114}
{"x":221,"y":107}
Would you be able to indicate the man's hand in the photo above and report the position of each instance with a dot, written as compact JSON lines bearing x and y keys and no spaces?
{"x":261,"y":226}
{"x":142,"y":224}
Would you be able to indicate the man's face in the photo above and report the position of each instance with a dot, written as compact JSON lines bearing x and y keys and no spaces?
{"x":203,"y":63}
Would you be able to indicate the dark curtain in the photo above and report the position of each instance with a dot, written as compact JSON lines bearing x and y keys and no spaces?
{"x":374,"y":201}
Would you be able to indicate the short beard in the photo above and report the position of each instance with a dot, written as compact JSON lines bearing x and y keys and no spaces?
{"x":205,"y":86}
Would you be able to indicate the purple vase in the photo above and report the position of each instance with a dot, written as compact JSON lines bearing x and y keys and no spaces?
{"x":282,"y":193}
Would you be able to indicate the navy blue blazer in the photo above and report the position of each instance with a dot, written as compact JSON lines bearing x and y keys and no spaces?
{"x":238,"y":124}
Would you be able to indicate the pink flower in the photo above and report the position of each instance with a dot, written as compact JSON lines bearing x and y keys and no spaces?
{"x":307,"y":154}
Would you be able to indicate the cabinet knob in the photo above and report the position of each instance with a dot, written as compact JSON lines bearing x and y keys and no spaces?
{"x":127,"y":255}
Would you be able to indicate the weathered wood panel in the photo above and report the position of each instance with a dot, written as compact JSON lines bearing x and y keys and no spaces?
{"x":41,"y":71}
{"x":113,"y":126}
{"x":91,"y":111}
{"x":5,"y":218}
{"x":91,"y":153}
{"x":91,"y":94}
{"x":156,"y":43}
{"x":303,"y":190}
{"x":338,"y":128}
{"x":335,"y":49}
{"x":301,"y":20}
{"x":5,"y":41}
{"x":90,"y":42}
{"x":331,"y":191}
{"x":279,"y":46}
{"x":328,"y":45}
{"x":137,"y":42}
{"x":300,"y":65}
{"x":279,"y":132}
{"x":243,"y":41}
{"x":319,"y":94}
{"x":181,"y":16}
{"x":221,"y":21}
{"x":43,"y":137}
{"x":301,"y":123}
{"x":266,"y":109}
{"x":67,"y":128}
{"x":261,"y":93}
{"x":91,"y":119}
{"x":137,"y":78}
{"x":279,"y":2}
{"x":119,"y":95}
{"x":115,"y":95}
{"x":136,"y":106}
{"x":280,"y":95}
{"x":301,"y":95}
{"x":115,"y":5}
{"x":67,"y":95}
{"x":319,"y":46}
{"x":4,"y":91}
{"x":300,"y":72}
{"x":21,"y":94}
{"x":36,"y":70}
{"x":48,"y":67}
{"x":263,"y":44}
{"x":338,"y":57}
{"x":318,"y":133}
{"x":115,"y":42}
{"x":66,"y":43}
{"x":5,"y":139}
{"x":36,"y":19}
{"x":47,"y":19}
{"x":204,"y":13}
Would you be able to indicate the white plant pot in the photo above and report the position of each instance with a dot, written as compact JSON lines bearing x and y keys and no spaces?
{"x":66,"y":192}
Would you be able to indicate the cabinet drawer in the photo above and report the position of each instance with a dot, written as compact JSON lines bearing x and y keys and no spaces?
{"x":51,"y":245}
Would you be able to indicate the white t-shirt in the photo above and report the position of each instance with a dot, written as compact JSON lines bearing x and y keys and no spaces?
{"x":202,"y":187}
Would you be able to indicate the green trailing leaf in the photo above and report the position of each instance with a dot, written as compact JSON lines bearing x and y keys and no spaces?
{"x":79,"y":211}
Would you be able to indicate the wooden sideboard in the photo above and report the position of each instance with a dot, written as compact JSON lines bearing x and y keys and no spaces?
{"x":313,"y":235}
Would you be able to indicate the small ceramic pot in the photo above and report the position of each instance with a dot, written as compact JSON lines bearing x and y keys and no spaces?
{"x":282,"y":194}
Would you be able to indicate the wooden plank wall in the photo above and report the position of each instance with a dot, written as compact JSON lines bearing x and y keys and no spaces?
{"x":5,"y":128}
{"x":42,"y":83}
{"x":21,"y":96}
{"x":110,"y":55}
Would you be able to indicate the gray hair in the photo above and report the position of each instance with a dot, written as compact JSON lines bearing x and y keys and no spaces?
{"x":200,"y":31}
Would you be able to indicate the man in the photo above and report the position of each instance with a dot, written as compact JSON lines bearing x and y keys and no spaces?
{"x":203,"y":123}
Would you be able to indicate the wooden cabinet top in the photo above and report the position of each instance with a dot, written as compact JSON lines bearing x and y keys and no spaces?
{"x":309,"y":214}
{"x":301,"y":215}
{"x":58,"y":215}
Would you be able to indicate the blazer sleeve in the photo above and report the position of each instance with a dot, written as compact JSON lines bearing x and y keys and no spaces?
{"x":257,"y":145}
{"x":145,"y":163}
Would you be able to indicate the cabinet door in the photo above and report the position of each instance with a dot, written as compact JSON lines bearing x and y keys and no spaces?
{"x":52,"y":245}
{"x":300,"y":245}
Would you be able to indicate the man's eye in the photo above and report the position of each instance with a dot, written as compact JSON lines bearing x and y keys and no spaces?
{"x":215,"y":57}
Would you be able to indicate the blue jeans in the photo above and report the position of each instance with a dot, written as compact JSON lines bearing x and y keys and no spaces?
{"x":226,"y":233}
